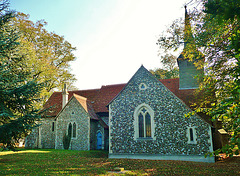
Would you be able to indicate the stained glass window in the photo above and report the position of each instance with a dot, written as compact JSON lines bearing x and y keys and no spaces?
{"x":144,"y":123}
{"x":148,"y":124}
{"x":140,"y":125}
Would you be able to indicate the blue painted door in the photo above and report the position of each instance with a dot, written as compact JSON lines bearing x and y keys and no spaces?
{"x":99,"y":141}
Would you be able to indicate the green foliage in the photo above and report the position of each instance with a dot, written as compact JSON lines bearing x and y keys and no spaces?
{"x":165,"y":74}
{"x":66,"y":141}
{"x":219,"y":37}
{"x":18,"y":90}
{"x":216,"y":32}
{"x":170,"y":69}
{"x":223,"y":10}
{"x":172,"y":39}
{"x":169,"y":62}
{"x":48,"y":55}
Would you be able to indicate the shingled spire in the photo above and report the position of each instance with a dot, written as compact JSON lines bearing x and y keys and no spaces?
{"x":188,"y":36}
{"x":187,"y":69}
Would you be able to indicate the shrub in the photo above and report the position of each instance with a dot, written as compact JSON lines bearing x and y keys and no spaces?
{"x":66,"y":141}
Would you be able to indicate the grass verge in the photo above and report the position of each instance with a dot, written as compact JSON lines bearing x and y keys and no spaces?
{"x":69,"y":162}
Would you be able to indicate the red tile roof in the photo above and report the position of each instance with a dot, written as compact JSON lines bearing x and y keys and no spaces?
{"x":186,"y":95}
{"x":86,"y":105}
{"x":98,"y":99}
{"x":54,"y":103}
{"x":106,"y":94}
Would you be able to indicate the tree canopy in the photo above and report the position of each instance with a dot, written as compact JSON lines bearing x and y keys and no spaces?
{"x":33,"y":64}
{"x":18,"y":89}
{"x":219,"y":36}
{"x":48,"y":54}
{"x":169,"y":70}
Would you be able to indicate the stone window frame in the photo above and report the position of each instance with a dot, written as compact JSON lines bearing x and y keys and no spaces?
{"x":191,"y":129}
{"x":72,"y":128}
{"x":144,"y":86}
{"x":136,"y":127}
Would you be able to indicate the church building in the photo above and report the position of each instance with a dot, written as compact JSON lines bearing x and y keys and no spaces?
{"x":142,"y":119}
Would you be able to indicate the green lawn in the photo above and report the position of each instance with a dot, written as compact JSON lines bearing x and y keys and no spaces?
{"x":67,"y":162}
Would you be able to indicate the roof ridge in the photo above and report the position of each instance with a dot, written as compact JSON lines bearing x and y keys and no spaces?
{"x":113,"y":85}
{"x":84,"y":90}
{"x":97,"y":89}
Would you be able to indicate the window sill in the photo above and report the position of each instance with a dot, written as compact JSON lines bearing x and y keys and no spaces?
{"x":143,"y":139}
{"x":192,"y":142}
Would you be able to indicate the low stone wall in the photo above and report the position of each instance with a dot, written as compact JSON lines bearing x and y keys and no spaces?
{"x":195,"y":158}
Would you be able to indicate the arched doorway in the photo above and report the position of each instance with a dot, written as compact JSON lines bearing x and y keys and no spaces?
{"x":99,"y":140}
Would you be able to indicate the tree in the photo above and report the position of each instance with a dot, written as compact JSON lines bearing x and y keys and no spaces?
{"x":169,"y":70}
{"x":168,"y":42}
{"x":66,"y":141}
{"x":160,"y":73}
{"x":48,"y":54}
{"x":18,"y":89}
{"x":217,"y":34}
{"x":172,"y":39}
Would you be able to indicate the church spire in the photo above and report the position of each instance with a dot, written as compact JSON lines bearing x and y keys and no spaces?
{"x":190,"y":54}
{"x":188,"y":36}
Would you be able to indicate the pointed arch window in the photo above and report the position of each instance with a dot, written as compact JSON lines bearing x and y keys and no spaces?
{"x":53,"y":125}
{"x":141,"y":125}
{"x":70,"y":129}
{"x":148,"y":125}
{"x":74,"y":130}
{"x":191,"y":135}
{"x":144,"y":125}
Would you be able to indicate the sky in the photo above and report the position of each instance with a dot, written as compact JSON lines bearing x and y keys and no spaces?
{"x":113,"y":37}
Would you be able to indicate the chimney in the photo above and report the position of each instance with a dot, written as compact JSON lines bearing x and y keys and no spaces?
{"x":64,"y":96}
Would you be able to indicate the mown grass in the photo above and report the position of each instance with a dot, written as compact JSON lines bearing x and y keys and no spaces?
{"x":67,"y":162}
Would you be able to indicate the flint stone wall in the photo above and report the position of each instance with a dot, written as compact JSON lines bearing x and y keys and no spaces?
{"x":31,"y":141}
{"x":47,"y":136}
{"x":170,"y":124}
{"x":42,"y":136}
{"x":74,"y":112}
